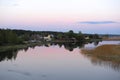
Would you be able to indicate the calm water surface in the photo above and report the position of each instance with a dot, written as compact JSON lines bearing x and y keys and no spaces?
{"x":56,"y":62}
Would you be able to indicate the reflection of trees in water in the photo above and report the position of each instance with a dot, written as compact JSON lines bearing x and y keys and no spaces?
{"x":72,"y":46}
{"x":12,"y":54}
{"x":69,"y":45}
{"x":96,"y":43}
{"x":9,"y":55}
{"x":25,"y":49}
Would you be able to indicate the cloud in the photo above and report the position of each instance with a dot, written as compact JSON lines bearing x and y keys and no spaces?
{"x":97,"y":22}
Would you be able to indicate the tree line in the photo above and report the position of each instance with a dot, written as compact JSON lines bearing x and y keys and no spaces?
{"x":8,"y":36}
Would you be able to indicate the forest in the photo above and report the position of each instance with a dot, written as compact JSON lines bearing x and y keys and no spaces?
{"x":8,"y":36}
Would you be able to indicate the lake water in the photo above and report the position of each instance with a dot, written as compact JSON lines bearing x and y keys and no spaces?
{"x":56,"y":62}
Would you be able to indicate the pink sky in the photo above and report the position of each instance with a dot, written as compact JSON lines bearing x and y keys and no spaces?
{"x":61,"y":15}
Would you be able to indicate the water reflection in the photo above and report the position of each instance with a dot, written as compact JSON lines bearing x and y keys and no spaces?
{"x":111,"y":64}
{"x":8,"y":55}
{"x":12,"y":54}
{"x":96,"y":43}
{"x":70,"y":46}
{"x":95,"y":59}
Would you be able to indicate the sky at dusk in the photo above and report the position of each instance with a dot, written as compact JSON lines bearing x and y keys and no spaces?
{"x":88,"y":16}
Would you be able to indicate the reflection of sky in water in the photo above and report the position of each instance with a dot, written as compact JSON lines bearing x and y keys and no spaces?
{"x":54,"y":63}
{"x":92,"y":45}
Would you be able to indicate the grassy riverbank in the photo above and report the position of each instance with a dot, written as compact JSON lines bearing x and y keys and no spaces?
{"x":104,"y":52}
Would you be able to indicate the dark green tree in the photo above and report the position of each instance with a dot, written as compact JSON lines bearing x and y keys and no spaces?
{"x":70,"y":34}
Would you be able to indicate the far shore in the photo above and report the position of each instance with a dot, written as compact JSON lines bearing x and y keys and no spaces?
{"x":111,"y":39}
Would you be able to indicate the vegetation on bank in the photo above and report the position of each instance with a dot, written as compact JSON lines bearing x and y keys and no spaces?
{"x":110,"y":37}
{"x":104,"y":52}
{"x":105,"y":55}
{"x":8,"y":37}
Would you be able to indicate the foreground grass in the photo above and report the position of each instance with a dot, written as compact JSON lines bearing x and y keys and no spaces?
{"x":105,"y":52}
{"x":107,"y":55}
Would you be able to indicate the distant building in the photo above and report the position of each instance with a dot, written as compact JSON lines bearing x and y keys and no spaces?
{"x":87,"y":37}
{"x":48,"y":38}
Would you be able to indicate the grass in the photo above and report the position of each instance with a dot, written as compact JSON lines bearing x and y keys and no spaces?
{"x":104,"y":52}
{"x":104,"y":55}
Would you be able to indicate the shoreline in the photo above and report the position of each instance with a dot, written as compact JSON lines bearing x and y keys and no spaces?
{"x":9,"y":47}
{"x":108,"y":52}
{"x":17,"y":46}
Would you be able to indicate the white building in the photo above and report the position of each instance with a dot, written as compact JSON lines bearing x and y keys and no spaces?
{"x":48,"y":38}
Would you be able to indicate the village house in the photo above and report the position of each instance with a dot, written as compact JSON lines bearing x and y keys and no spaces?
{"x":87,"y":38}
{"x":48,"y":38}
